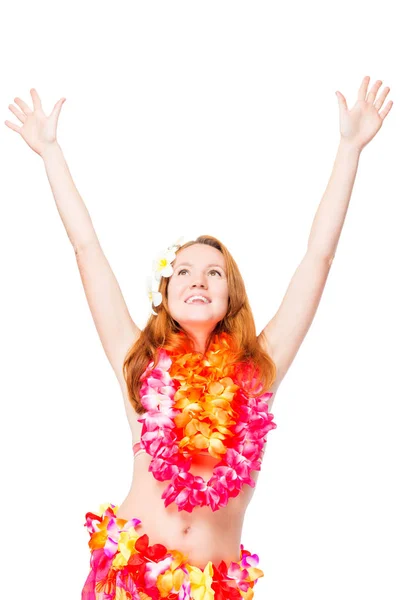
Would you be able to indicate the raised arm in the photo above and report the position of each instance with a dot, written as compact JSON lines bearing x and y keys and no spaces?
{"x":286,"y":331}
{"x":113,"y":322}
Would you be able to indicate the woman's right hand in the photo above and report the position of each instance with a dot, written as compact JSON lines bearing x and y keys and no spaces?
{"x":38,"y":130}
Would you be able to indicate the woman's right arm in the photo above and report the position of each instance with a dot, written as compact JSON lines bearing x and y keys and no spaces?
{"x":70,"y":206}
{"x":115,"y":327}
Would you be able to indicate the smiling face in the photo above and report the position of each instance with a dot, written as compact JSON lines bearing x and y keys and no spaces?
{"x":199,"y":270}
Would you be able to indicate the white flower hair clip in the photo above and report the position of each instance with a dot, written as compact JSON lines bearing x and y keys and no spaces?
{"x":161,"y":268}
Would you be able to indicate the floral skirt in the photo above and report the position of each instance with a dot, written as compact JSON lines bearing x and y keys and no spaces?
{"x":124,"y":567}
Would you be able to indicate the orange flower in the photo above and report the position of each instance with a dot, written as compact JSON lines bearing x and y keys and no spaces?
{"x":204,"y":398}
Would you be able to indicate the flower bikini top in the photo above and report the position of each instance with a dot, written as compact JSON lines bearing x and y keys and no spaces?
{"x":197,"y":403}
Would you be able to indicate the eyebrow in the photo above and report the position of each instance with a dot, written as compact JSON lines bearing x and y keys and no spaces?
{"x":187,"y":264}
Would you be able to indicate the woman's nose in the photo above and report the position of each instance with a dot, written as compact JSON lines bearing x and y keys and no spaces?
{"x":199,"y":281}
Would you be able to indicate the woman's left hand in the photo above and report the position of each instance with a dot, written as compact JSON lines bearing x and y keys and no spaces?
{"x":359,"y":125}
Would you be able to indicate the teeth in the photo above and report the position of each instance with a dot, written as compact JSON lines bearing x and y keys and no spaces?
{"x":197,"y":298}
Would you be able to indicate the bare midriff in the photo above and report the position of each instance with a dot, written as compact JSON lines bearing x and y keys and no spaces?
{"x":203,"y":535}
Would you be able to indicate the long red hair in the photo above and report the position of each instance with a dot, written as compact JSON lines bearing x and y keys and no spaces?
{"x":164,"y":331}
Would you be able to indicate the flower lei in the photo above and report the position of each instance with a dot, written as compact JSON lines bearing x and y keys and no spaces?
{"x":126,"y":565}
{"x":194,"y":403}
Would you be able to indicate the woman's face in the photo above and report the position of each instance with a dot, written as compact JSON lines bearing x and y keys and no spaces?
{"x":199,"y":270}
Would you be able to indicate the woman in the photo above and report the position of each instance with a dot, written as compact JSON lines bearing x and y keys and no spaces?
{"x":197,"y":382}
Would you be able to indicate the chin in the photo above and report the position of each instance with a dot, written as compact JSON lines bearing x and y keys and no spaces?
{"x":208,"y":322}
{"x":183,"y":319}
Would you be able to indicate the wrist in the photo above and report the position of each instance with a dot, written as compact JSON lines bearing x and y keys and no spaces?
{"x":50,"y":149}
{"x":349,"y":147}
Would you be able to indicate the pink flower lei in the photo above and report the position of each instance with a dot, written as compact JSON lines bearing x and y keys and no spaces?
{"x":218,"y":415}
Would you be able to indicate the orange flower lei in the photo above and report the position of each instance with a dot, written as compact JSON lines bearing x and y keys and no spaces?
{"x":196,"y":403}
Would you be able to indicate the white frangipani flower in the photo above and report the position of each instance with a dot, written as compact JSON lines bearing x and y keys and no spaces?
{"x":154,"y":295}
{"x":177,"y":244}
{"x":162,"y":267}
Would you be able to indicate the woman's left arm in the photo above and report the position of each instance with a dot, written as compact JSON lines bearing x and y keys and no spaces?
{"x":284,"y":334}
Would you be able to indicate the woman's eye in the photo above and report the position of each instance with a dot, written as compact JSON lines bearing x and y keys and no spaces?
{"x":211,"y":271}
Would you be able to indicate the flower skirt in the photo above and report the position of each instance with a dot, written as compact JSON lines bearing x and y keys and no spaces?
{"x":123,"y":566}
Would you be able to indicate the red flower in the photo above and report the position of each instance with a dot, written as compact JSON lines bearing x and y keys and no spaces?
{"x":155,"y":553}
{"x":222,"y":589}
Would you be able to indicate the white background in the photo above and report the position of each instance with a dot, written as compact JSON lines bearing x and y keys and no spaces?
{"x":186,"y":118}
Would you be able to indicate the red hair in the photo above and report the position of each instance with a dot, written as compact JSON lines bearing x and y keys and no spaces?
{"x":164,"y":331}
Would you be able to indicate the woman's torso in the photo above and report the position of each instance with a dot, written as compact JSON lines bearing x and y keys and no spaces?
{"x":202,"y":535}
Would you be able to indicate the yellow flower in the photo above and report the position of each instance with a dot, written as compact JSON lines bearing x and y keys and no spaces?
{"x":174,"y":577}
{"x":247,"y":595}
{"x":254,"y":573}
{"x":170,"y":580}
{"x":126,"y":547}
{"x":200,"y":582}
{"x":105,"y":506}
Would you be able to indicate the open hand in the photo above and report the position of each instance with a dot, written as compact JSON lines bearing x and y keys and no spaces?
{"x":38,"y":130}
{"x":359,"y":125}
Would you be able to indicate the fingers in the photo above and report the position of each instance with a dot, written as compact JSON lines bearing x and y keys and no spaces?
{"x":23,"y":105}
{"x":19,"y":116}
{"x":37,"y":104}
{"x":17,"y":113}
{"x":57,"y":106}
{"x":12,"y":126}
{"x":370,"y":99}
{"x":372,"y":95}
{"x":385,"y":111}
{"x":381,"y":100}
{"x":342,"y":100}
{"x":22,"y":114}
{"x":362,"y":92}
